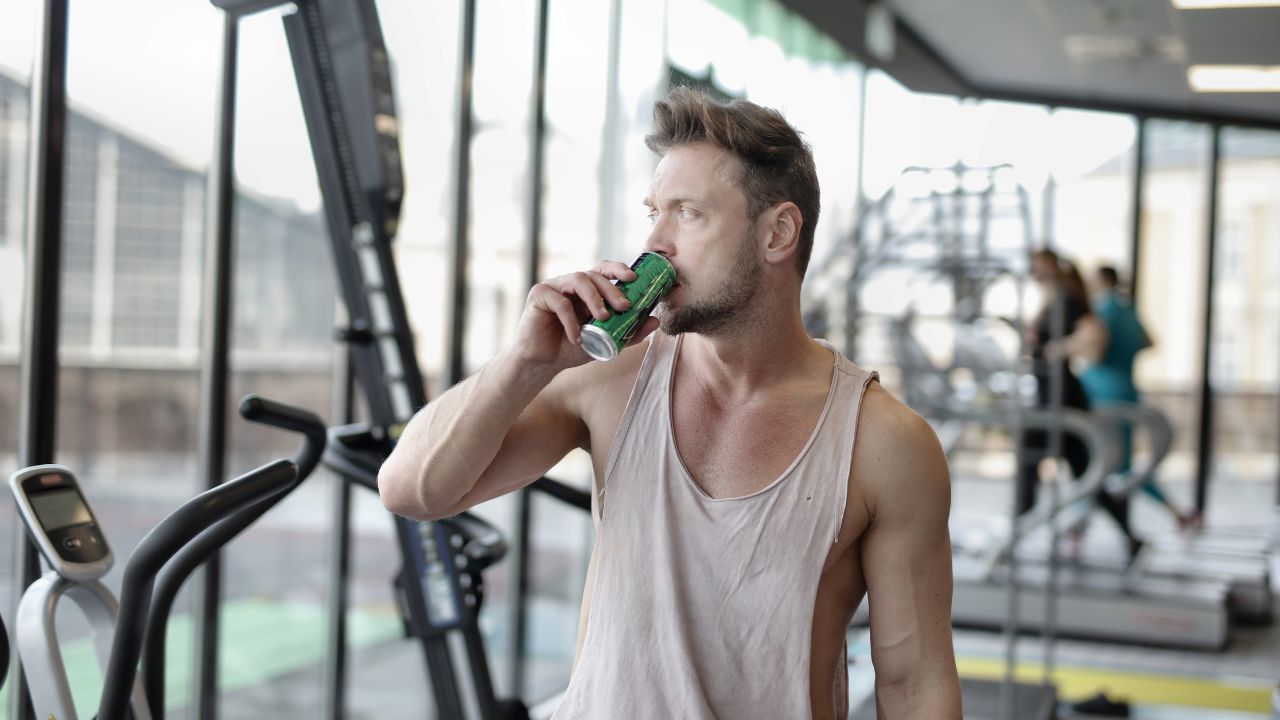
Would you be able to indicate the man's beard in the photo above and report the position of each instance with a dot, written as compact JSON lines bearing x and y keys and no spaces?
{"x":724,"y":309}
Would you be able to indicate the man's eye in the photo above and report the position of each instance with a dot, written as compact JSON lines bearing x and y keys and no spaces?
{"x":688,"y":212}
{"x":652,"y":214}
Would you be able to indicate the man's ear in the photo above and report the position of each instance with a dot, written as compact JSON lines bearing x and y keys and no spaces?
{"x":781,"y":227}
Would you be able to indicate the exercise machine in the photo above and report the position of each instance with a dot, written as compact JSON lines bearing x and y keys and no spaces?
{"x":344,"y":80}
{"x":59,"y":518}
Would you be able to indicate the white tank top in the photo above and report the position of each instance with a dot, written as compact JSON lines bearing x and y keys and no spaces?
{"x":703,"y":607}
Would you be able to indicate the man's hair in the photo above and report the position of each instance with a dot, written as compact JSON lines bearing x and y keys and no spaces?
{"x":1109,"y":275}
{"x":777,"y":165}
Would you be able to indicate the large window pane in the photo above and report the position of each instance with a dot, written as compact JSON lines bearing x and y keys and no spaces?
{"x":272,"y":613}
{"x":1171,"y":285}
{"x":1246,"y":327}
{"x":139,"y":85}
{"x":560,"y":536}
{"x":17,"y":30}
{"x":496,"y":285}
{"x":1091,"y":206}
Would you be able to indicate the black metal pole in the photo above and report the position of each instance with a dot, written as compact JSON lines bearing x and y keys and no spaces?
{"x":335,"y":667}
{"x":38,"y":399}
{"x":1135,"y":221}
{"x":217,"y":304}
{"x":533,"y":273}
{"x":462,"y":196}
{"x":1204,"y":451}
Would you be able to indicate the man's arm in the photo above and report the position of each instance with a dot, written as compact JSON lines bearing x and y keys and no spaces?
{"x":489,"y":435}
{"x":906,"y":559}
{"x":504,"y":427}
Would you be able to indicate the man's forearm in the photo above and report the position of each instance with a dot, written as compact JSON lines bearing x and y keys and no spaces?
{"x":448,"y":444}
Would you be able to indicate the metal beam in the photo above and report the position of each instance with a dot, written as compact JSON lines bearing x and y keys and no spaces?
{"x":1135,"y":221}
{"x":38,"y":398}
{"x":215,"y":344}
{"x":1204,"y":449}
{"x":533,"y":274}
{"x":456,"y":370}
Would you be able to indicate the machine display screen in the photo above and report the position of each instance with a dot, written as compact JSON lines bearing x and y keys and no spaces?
{"x":60,"y":508}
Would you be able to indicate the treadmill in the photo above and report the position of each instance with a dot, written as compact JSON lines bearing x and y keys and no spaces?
{"x":1169,"y":595}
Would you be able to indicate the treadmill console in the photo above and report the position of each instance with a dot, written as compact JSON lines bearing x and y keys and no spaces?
{"x":60,"y":522}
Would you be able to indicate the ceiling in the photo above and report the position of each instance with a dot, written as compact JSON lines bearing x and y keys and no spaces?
{"x":1121,"y":55}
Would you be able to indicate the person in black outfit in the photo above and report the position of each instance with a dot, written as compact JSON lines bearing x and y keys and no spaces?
{"x":1081,"y":334}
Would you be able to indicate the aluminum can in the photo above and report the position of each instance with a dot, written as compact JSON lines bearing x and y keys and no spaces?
{"x":655,"y":276}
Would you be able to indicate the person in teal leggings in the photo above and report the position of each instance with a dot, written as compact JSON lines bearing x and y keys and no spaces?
{"x":1109,"y":381}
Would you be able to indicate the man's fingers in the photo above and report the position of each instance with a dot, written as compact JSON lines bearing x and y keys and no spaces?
{"x":615,"y":270}
{"x":616,"y":299}
{"x":594,"y":291}
{"x":554,"y":301}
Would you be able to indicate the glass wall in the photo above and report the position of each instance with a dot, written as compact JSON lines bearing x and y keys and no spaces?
{"x":423,"y":44}
{"x":1246,"y":328}
{"x":274,"y":575}
{"x":17,"y":32}
{"x":1171,"y":295}
{"x":139,"y":140}
{"x":976,"y":182}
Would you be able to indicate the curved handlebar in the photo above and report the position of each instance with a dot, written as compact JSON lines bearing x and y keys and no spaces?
{"x":162,"y":543}
{"x":257,"y":409}
{"x":4,"y":653}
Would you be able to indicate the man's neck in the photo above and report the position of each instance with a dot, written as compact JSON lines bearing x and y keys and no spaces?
{"x":767,"y":351}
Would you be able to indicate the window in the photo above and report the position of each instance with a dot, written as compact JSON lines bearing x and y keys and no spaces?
{"x":1246,"y":297}
{"x":1171,"y":289}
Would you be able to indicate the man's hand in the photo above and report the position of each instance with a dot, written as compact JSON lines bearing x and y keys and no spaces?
{"x":550,"y":330}
{"x":503,"y":427}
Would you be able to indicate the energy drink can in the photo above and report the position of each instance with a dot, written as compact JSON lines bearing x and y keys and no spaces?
{"x":655,"y":276}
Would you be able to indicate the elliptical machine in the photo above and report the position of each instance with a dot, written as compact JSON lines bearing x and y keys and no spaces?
{"x":64,"y":527}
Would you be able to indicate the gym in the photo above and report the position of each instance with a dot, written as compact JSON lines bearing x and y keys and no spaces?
{"x":321,"y":215}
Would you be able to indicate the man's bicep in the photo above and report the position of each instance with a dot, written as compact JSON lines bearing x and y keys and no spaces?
{"x":908,"y":572}
{"x":906,"y":557}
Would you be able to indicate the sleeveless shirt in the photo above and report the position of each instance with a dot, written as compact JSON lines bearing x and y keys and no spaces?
{"x":703,"y":607}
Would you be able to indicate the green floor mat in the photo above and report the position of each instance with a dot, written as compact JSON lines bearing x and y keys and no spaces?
{"x":260,"y":640}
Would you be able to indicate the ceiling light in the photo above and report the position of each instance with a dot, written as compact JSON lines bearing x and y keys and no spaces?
{"x":1215,"y":4}
{"x":1234,"y":78}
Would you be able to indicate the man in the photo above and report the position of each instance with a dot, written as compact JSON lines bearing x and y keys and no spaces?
{"x":738,"y":524}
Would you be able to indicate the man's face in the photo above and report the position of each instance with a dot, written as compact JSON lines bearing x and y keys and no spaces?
{"x":699,"y":215}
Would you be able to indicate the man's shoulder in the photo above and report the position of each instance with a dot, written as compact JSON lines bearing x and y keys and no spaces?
{"x":597,"y":384}
{"x":896,"y":453}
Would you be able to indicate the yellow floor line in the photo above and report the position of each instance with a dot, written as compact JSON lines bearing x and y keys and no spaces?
{"x":1077,"y":683}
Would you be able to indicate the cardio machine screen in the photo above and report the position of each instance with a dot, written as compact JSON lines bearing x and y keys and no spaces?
{"x":57,"y":509}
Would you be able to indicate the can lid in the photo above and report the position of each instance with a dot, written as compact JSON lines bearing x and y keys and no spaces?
{"x":598,"y":343}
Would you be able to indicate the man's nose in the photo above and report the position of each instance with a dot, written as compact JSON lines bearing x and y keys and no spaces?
{"x":660,"y":240}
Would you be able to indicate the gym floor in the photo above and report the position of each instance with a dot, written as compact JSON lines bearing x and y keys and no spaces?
{"x":1159,"y":683}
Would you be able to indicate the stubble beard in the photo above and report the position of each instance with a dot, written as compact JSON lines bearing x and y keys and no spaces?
{"x":727,"y":307}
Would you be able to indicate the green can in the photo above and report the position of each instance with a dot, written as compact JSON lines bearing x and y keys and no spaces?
{"x":655,"y":276}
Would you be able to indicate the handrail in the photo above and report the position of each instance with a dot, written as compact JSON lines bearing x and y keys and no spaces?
{"x":256,"y":409}
{"x":1159,"y":433}
{"x":1104,"y":456}
{"x":162,"y":543}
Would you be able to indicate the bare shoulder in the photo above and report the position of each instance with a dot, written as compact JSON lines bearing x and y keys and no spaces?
{"x":897,"y":459}
{"x":598,"y":391}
